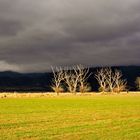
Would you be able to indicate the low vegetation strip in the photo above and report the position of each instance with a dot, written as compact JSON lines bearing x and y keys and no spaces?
{"x":115,"y":117}
{"x":52,"y":94}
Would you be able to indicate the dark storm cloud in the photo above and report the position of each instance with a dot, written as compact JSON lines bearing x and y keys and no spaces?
{"x":37,"y":34}
{"x":9,"y":27}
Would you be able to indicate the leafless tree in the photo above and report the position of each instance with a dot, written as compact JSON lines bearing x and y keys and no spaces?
{"x":58,"y":76}
{"x":120,"y":83}
{"x":101,"y":78}
{"x":76,"y":78}
{"x":110,"y":80}
{"x":71,"y":80}
{"x":83,"y":77}
{"x":138,"y":82}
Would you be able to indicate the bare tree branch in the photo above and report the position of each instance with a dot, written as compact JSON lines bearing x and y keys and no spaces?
{"x":71,"y":79}
{"x":83,"y":77}
{"x":120,"y":84}
{"x":58,"y":74}
{"x":110,"y":80}
{"x":76,"y":77}
{"x":101,"y":78}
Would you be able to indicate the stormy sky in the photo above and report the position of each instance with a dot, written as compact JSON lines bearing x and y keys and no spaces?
{"x":38,"y":34}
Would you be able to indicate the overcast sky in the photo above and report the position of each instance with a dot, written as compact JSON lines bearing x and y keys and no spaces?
{"x":35,"y":34}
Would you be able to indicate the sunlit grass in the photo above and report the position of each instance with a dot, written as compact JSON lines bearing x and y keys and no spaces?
{"x":115,"y":117}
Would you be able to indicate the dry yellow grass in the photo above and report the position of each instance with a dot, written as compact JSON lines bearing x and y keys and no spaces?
{"x":52,"y":94}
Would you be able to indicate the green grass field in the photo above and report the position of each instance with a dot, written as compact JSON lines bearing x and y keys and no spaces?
{"x":98,"y":117}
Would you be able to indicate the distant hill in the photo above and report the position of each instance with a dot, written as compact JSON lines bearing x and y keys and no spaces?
{"x":14,"y":81}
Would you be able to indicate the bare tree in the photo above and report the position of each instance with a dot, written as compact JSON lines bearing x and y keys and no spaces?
{"x":120,"y":84}
{"x":58,"y":75}
{"x":83,"y":77}
{"x":138,"y":82}
{"x":101,"y":78}
{"x":110,"y":79}
{"x":76,"y":78}
{"x":71,"y":79}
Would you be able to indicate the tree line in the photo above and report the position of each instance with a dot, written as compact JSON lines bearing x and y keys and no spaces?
{"x":75,"y":79}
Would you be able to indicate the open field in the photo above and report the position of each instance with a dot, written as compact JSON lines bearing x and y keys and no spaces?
{"x":98,"y":117}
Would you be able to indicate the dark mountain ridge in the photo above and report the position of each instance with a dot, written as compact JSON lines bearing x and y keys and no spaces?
{"x":35,"y":82}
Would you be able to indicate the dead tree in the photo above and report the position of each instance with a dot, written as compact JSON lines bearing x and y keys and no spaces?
{"x":58,"y":76}
{"x":120,"y":83}
{"x":101,"y":78}
{"x":83,"y":77}
{"x":110,"y":79}
{"x":71,"y":77}
{"x":76,"y":78}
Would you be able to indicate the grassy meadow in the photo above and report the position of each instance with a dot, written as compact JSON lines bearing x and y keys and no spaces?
{"x":97,"y":117}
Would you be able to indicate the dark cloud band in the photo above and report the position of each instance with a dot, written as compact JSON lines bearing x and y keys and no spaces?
{"x":35,"y":35}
